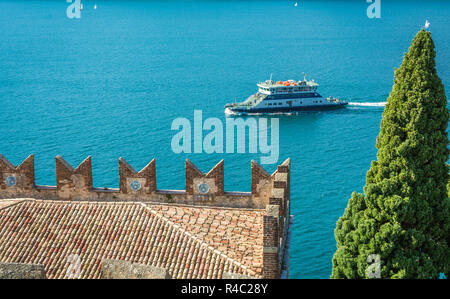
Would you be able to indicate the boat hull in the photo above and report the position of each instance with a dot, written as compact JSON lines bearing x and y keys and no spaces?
{"x":240,"y":110}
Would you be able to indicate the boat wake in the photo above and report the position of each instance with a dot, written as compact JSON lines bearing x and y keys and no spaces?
{"x":229,"y":112}
{"x":367,"y":104}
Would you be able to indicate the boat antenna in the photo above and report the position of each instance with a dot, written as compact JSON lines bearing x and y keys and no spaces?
{"x":271,"y":77}
{"x":304,"y":77}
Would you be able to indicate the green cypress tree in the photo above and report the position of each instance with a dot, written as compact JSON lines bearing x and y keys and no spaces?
{"x":404,"y":214}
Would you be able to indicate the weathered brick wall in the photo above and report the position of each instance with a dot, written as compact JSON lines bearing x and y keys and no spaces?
{"x":131,"y":181}
{"x":227,"y":275}
{"x":281,"y":193}
{"x":214,"y":178}
{"x":117,"y":269}
{"x":77,"y":184}
{"x":71,"y":181}
{"x":21,"y":271}
{"x":21,"y":176}
{"x":271,"y":263}
{"x":277,"y":220}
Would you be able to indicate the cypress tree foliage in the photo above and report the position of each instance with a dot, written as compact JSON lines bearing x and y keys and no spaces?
{"x":404,"y":214}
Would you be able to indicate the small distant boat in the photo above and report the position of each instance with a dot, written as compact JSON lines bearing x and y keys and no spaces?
{"x":81,"y":6}
{"x":295,"y":4}
{"x":284,"y":96}
{"x":427,"y":24}
{"x":95,"y":6}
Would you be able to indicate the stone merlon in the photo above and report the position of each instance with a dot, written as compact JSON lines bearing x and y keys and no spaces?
{"x":202,"y":231}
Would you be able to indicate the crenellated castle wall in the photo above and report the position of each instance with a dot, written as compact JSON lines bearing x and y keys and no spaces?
{"x":270,"y":192}
{"x":206,"y":189}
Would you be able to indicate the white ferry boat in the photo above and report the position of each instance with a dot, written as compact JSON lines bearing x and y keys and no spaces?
{"x":284,"y":96}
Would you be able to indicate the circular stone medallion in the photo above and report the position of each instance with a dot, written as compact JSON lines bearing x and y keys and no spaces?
{"x":135,"y":185}
{"x":10,"y":181}
{"x":203,"y":188}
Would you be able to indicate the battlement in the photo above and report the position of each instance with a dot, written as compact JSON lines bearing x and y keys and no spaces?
{"x":242,"y":234}
{"x":205,"y":189}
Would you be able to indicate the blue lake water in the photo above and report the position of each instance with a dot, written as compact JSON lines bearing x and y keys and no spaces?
{"x":111,"y":83}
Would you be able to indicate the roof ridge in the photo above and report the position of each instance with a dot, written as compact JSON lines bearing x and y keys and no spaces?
{"x":183,"y":205}
{"x":14,"y":202}
{"x":130,"y":202}
{"x":177,"y":227}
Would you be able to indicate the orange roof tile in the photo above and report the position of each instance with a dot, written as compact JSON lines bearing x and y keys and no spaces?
{"x":190,"y":242}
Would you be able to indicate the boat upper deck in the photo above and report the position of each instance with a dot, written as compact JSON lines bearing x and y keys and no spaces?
{"x":284,"y":84}
{"x":289,"y":86}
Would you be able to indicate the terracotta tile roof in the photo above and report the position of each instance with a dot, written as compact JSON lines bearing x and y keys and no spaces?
{"x":190,"y":242}
{"x":236,"y":233}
